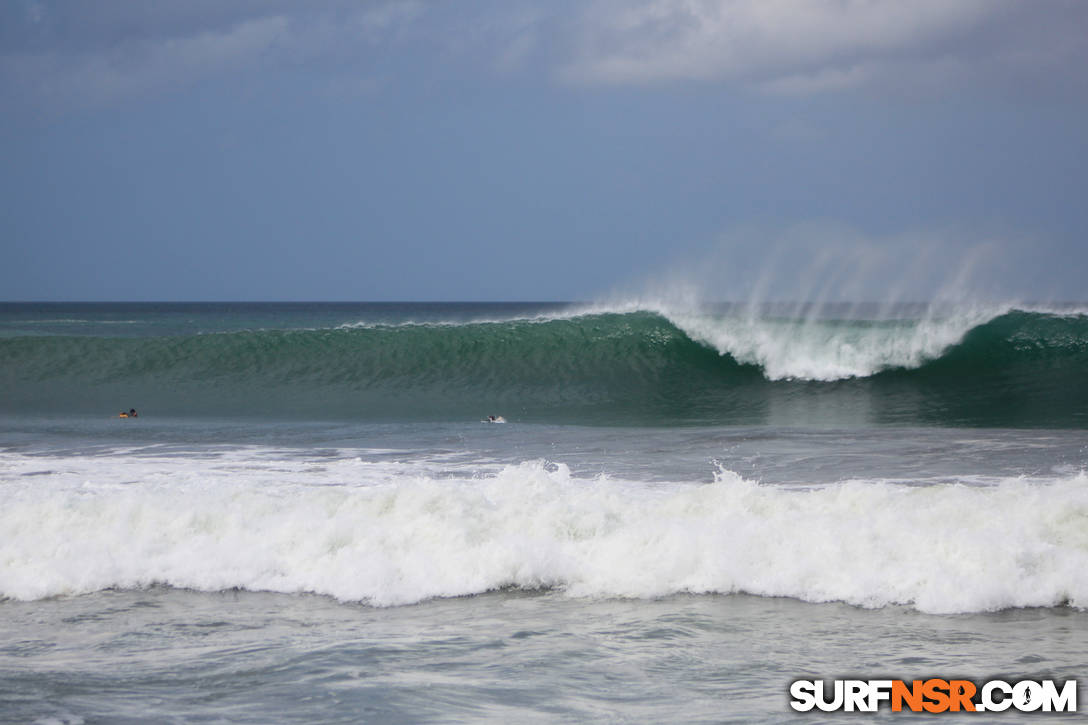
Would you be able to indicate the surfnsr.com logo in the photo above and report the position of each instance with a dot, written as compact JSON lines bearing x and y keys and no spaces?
{"x":934,"y":695}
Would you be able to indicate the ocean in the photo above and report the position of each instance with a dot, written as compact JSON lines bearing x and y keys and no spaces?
{"x":688,"y":508}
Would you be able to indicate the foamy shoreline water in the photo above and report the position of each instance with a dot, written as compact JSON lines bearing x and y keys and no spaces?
{"x":310,"y":523}
{"x":251,"y":657}
{"x":394,"y":533}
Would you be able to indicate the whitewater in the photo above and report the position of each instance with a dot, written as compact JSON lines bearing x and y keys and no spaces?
{"x":638,"y":363}
{"x":691,"y":506}
{"x":390,"y":534}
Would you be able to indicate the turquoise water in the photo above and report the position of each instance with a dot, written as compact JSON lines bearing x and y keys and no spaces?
{"x":687,"y":510}
{"x":549,"y":363}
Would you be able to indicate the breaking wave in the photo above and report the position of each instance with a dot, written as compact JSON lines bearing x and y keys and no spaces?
{"x":999,"y":367}
{"x":389,"y":535}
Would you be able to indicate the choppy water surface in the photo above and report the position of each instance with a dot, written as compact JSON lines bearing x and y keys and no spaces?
{"x":309,"y":521}
{"x":508,"y":656}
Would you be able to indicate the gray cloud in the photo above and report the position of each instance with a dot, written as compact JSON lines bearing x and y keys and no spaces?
{"x":60,"y":55}
{"x":72,"y":58}
{"x":783,"y":46}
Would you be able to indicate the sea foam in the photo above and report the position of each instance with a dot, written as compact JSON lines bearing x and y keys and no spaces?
{"x":824,"y":343}
{"x":392,"y":534}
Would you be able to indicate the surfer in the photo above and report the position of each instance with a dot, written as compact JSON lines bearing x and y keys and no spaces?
{"x":495,"y":419}
{"x":132,"y":413}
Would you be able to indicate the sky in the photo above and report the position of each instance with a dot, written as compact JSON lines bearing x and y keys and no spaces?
{"x":548,"y":150}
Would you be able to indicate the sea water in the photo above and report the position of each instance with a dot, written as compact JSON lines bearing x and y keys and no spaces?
{"x":309,"y":521}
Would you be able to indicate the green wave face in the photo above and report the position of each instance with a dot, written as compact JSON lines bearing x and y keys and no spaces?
{"x":644,"y":368}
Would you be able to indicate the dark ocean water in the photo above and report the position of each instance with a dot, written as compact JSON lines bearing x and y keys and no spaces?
{"x":555,"y":364}
{"x":687,"y":510}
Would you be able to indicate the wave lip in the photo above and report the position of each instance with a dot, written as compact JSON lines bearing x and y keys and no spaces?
{"x":398,"y":539}
{"x":810,"y":344}
{"x":984,"y":367}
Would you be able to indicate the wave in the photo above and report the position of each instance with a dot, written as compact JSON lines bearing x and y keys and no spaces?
{"x":820,"y":349}
{"x":366,"y":532}
{"x":979,"y":367}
